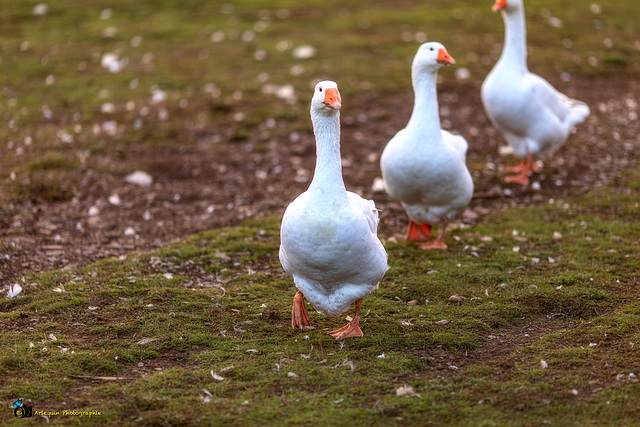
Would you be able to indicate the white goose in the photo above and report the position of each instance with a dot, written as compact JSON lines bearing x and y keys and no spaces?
{"x":424,"y":166}
{"x":532,"y":115}
{"x":328,"y":234}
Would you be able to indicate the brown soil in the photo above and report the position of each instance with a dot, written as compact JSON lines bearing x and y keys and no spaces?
{"x":216,"y":183}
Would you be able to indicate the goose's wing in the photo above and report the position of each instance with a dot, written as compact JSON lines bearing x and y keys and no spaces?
{"x":368,"y":210}
{"x":558,"y":103}
{"x":457,"y":141}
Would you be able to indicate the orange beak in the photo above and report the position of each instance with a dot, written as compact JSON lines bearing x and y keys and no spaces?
{"x":445,"y":58}
{"x":332,"y":99}
{"x":499,"y":5}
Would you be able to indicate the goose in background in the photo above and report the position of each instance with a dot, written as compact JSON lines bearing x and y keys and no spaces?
{"x":532,"y":115}
{"x":423,"y":166}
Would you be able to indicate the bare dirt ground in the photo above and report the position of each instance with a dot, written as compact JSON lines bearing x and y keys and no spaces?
{"x":218,"y":183}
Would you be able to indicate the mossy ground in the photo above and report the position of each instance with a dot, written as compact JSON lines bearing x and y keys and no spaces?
{"x":139,"y":338}
{"x":545,"y":325}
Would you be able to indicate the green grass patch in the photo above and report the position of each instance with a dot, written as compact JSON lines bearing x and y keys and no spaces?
{"x":139,"y":338}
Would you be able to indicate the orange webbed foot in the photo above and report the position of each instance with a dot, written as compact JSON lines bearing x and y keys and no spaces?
{"x":521,"y":179}
{"x":439,"y":242}
{"x":351,"y":329}
{"x":417,"y":231}
{"x":522,"y":171}
{"x":434,"y":244}
{"x":519,"y":168}
{"x":299,"y":315}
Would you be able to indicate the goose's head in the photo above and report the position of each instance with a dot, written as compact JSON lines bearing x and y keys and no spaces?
{"x":326,"y":97}
{"x":507,"y":5}
{"x":432,"y":55}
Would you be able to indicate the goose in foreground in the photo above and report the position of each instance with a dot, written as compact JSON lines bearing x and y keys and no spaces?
{"x":423,"y":166}
{"x":532,"y":115}
{"x":328,"y":235}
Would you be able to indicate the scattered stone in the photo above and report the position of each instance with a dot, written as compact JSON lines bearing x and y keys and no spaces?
{"x":304,"y":52}
{"x":14,"y":290}
{"x":114,"y":199}
{"x":141,"y":178}
{"x":40,"y":9}
{"x":407,"y":390}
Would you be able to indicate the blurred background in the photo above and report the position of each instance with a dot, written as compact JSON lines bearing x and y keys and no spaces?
{"x":126,"y":125}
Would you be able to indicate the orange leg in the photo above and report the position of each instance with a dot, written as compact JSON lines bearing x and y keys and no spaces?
{"x":417,"y":231}
{"x":299,"y":316}
{"x":522,"y":171}
{"x":439,"y":242}
{"x":518,"y":168}
{"x":351,"y":329}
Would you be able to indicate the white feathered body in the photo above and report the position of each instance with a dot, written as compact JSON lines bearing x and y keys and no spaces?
{"x":424,"y":166}
{"x":531,"y":114}
{"x":330,"y":247}
{"x":427,"y":173}
{"x":328,"y":235}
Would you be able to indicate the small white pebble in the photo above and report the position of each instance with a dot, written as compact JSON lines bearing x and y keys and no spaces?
{"x":304,"y":52}
{"x":40,"y":9}
{"x":217,"y":37}
{"x":555,"y":22}
{"x":106,"y":14}
{"x":14,"y":290}
{"x":114,"y":199}
{"x":462,"y":73}
{"x":140,"y":178}
{"x":378,"y":185}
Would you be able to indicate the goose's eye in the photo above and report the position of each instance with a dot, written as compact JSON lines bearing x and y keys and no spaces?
{"x":320,"y":89}
{"x":431,"y":49}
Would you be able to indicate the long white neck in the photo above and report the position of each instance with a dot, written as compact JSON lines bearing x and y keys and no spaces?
{"x":328,"y":174}
{"x":425,"y":117}
{"x":514,"y":51}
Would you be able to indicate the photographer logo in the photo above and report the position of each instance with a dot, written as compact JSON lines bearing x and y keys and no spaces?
{"x":22,"y":411}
